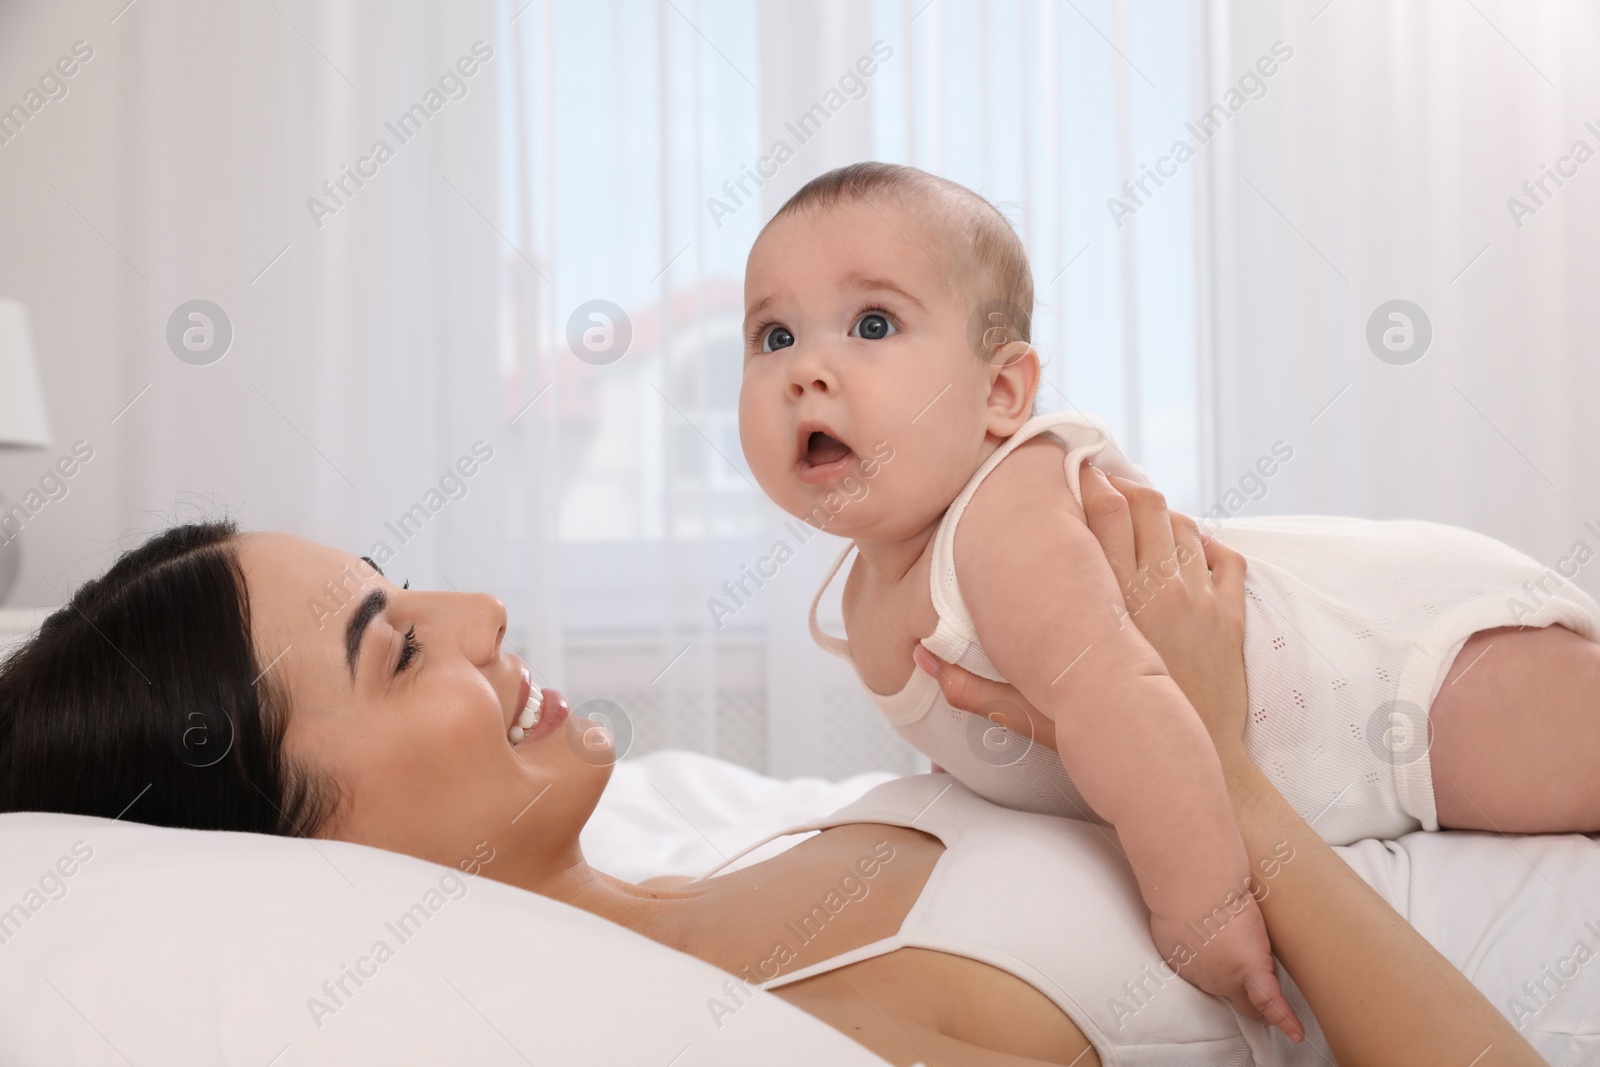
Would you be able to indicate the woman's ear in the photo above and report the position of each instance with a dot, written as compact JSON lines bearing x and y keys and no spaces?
{"x":1014,"y":379}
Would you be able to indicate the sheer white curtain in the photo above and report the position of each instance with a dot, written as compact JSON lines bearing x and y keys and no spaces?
{"x":653,"y":142}
{"x":610,"y":151}
{"x":383,"y":317}
{"x":541,"y":282}
{"x":1392,"y":159}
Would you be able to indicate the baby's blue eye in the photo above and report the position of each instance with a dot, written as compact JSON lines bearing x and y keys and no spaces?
{"x":776,"y":338}
{"x":873,"y":326}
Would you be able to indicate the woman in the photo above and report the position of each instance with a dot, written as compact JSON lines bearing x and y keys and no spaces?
{"x":264,"y":683}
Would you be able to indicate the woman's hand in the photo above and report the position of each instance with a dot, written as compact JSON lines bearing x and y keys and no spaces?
{"x":1380,"y":992}
{"x":999,"y":702}
{"x":1183,"y":592}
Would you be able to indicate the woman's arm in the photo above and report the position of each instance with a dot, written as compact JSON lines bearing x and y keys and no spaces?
{"x":1380,"y":992}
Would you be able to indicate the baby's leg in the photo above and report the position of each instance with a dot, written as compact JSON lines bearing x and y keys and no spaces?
{"x":1516,"y":733}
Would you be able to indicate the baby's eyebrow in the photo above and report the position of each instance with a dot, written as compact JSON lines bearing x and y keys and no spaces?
{"x":862,"y":282}
{"x":854,"y":281}
{"x":752,"y":312}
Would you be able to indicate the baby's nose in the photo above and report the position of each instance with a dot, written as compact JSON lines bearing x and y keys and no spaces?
{"x":799,"y":386}
{"x":810,"y":373}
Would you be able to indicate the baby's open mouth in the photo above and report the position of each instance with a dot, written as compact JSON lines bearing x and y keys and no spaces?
{"x":820,"y":455}
{"x":822,"y":449}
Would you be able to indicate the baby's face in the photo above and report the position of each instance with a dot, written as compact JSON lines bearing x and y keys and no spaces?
{"x":863,"y":409}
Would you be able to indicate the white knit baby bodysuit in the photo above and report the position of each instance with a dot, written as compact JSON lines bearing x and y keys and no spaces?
{"x":1350,"y":628}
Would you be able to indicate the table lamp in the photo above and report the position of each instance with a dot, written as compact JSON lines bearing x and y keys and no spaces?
{"x":24,"y":420}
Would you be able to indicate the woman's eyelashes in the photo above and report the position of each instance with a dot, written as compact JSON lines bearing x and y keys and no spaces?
{"x":409,"y":651}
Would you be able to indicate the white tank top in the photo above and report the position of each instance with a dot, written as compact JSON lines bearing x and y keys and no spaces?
{"x":1350,"y":627}
{"x":1052,"y":902}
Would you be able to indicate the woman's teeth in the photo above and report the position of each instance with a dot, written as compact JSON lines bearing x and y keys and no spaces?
{"x":529,"y":718}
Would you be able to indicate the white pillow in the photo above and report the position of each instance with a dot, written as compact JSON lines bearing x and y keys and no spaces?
{"x":124,"y":943}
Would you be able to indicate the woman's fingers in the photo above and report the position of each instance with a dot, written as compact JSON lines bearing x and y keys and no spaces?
{"x":1185,"y":594}
{"x":1227,"y":578}
{"x":999,"y":702}
{"x":1152,"y":529}
{"x":1106,"y":512}
{"x":961,"y":688}
{"x":1190,"y":547}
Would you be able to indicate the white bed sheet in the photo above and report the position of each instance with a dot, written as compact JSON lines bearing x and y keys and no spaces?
{"x":677,"y":812}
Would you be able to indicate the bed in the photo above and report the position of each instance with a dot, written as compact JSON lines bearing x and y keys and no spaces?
{"x":137,"y":945}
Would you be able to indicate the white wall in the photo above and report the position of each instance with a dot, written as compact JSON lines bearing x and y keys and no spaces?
{"x":69,"y":278}
{"x":182,"y":160}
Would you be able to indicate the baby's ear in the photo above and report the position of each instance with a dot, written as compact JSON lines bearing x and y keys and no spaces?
{"x":1013,"y":381}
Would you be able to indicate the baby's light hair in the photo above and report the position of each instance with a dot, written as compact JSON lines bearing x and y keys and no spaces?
{"x":980,"y":234}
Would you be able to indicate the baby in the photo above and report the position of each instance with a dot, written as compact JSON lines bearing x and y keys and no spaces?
{"x":887,"y":394}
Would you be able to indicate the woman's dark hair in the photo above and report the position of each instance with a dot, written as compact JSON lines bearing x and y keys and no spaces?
{"x":143,"y":698}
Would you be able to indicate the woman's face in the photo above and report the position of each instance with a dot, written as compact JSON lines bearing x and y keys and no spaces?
{"x":416,"y":741}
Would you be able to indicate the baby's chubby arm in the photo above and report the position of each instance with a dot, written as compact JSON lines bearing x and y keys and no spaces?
{"x":1049,"y":613}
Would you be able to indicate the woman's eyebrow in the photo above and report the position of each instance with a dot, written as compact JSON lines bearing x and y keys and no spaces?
{"x":370,"y":608}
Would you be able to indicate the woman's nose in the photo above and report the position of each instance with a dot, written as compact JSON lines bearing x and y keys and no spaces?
{"x":486,"y":626}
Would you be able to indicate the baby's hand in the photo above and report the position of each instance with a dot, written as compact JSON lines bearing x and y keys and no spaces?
{"x":1233,"y":960}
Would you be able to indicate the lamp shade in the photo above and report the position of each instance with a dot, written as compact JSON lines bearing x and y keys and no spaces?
{"x":24,"y":420}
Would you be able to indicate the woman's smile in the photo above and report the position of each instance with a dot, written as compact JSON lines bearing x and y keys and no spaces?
{"x":545,"y":712}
